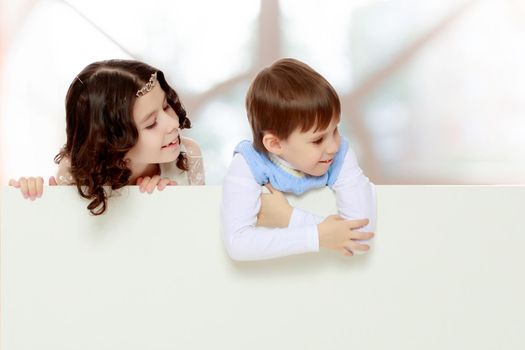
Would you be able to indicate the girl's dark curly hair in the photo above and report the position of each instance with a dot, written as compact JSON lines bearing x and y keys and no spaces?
{"x":100,"y":127}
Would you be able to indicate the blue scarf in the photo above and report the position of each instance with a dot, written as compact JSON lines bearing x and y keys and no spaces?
{"x":266,"y":171}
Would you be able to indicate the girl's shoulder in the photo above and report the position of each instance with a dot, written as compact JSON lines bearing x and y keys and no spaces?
{"x":191,"y":147}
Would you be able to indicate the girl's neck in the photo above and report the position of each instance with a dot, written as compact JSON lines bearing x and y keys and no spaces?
{"x":142,"y":170}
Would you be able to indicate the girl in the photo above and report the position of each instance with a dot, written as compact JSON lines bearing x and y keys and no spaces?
{"x":123,"y":126}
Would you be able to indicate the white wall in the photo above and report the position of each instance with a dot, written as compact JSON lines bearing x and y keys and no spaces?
{"x":447,"y":272}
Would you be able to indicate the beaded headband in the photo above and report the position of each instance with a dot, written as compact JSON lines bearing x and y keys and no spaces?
{"x":149,"y":85}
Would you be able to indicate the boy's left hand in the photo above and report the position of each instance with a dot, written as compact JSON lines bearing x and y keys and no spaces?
{"x":275,"y":209}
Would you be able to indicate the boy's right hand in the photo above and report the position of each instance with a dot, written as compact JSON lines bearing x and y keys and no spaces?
{"x":339,"y":234}
{"x":31,"y":187}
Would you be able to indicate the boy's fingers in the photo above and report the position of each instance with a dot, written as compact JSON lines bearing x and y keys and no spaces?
{"x":356,"y":247}
{"x":269,"y":187}
{"x":172,"y":183}
{"x":347,"y":252}
{"x":14,"y":183}
{"x":361,"y":235}
{"x":52,"y":181}
{"x":355,"y":224}
{"x":272,"y":189}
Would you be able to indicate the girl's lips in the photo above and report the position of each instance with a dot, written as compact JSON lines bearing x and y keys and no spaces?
{"x":172,"y":144}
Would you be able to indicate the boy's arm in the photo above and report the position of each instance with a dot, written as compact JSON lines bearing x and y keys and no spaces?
{"x":302,"y":217}
{"x":355,"y":194}
{"x":239,"y":208}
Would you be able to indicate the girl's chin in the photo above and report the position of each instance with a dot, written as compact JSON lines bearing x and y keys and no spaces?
{"x":171,"y":158}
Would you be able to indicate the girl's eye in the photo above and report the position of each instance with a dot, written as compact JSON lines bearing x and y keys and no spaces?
{"x":166,"y":107}
{"x":152,"y":125}
{"x":317,"y":142}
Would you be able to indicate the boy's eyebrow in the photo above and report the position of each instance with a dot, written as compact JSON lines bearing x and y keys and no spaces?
{"x":318,"y":134}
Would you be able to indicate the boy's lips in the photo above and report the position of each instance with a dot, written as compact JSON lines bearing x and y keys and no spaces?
{"x":328,"y":161}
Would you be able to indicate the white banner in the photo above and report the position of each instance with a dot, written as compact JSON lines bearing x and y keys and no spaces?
{"x":446,"y":271}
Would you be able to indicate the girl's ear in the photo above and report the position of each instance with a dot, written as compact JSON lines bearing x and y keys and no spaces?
{"x":272,"y":144}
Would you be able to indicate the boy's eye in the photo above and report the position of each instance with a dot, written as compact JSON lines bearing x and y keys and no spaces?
{"x":152,"y":125}
{"x":319,"y":141}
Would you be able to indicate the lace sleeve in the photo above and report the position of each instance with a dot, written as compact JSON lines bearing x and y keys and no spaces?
{"x":196,"y":170}
{"x":63,"y":175}
{"x":195,"y":162}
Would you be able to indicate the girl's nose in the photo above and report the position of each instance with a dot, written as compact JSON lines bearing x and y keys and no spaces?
{"x":172,"y":123}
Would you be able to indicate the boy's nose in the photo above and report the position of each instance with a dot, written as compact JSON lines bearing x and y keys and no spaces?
{"x":332,"y":147}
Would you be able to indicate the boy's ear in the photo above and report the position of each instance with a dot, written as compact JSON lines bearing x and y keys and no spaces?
{"x":272,"y":144}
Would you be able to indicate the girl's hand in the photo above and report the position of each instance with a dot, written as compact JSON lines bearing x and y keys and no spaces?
{"x":31,"y":187}
{"x":148,"y":184}
{"x":275,"y":209}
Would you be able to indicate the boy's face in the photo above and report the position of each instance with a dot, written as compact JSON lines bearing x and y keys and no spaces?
{"x":311,"y":152}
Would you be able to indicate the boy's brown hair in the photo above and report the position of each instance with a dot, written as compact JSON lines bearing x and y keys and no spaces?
{"x":286,"y":96}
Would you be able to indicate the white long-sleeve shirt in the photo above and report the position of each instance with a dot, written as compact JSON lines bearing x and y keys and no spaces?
{"x":241,"y":202}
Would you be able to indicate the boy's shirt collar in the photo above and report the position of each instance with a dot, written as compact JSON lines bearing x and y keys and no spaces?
{"x":286,"y":166}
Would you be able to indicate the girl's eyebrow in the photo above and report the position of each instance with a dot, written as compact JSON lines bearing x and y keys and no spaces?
{"x":149,"y":115}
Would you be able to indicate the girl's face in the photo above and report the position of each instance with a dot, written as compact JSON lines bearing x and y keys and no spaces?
{"x":158,"y":127}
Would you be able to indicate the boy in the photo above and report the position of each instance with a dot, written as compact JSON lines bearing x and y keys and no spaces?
{"x":293,"y":113}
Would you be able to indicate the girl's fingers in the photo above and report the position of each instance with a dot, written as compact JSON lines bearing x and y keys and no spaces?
{"x":173,"y":183}
{"x":144,"y":181}
{"x":39,"y":186}
{"x":162,"y":184}
{"x":52,"y":181}
{"x":14,"y":183}
{"x":153,"y":183}
{"x":31,"y":187}
{"x":23,"y":186}
{"x":139,"y":181}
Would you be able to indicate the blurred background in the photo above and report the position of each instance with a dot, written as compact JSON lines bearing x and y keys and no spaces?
{"x":433,"y":91}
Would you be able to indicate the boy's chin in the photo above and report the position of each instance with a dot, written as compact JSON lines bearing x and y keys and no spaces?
{"x":316,"y":172}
